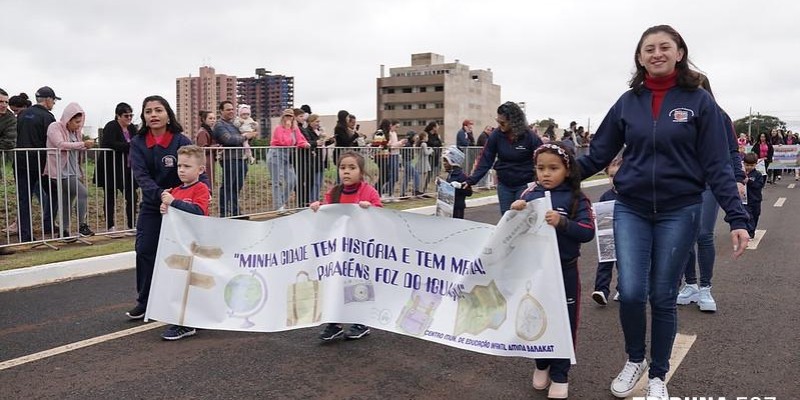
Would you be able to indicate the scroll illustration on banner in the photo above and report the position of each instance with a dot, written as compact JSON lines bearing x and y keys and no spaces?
{"x":473,"y":286}
{"x":604,"y":230}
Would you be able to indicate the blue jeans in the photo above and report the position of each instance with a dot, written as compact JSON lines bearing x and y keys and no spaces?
{"x":233,"y":173}
{"x":651,"y":254}
{"x":394,"y":168}
{"x":507,"y":194}
{"x":283,"y":177}
{"x":705,"y":243}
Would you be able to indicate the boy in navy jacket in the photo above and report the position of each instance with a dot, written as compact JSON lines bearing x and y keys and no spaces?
{"x":452,"y":159}
{"x":602,"y":280}
{"x":755,"y":182}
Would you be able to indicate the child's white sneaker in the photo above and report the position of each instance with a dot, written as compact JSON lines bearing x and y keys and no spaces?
{"x":558,"y":391}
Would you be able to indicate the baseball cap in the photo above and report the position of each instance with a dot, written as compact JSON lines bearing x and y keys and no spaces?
{"x":47,"y":91}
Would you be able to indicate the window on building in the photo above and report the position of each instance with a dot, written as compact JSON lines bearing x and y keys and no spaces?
{"x":422,"y":106}
{"x":422,"y":122}
{"x":439,"y":89}
{"x":407,"y":123}
{"x":423,"y":89}
{"x":439,"y":105}
{"x":407,"y":90}
{"x":406,"y":106}
{"x":388,"y":107}
{"x":390,"y":91}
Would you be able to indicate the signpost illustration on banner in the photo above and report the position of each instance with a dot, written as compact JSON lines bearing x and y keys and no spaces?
{"x":495,"y":290}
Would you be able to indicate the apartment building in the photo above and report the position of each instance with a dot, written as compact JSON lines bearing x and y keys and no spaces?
{"x":432,"y":90}
{"x":267,"y":95}
{"x":202,"y":92}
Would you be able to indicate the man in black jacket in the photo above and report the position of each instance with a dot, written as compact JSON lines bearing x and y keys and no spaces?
{"x":32,"y":126}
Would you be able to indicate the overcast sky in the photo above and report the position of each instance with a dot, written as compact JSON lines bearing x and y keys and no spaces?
{"x":567,"y":59}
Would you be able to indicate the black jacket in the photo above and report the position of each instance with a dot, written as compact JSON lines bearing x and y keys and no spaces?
{"x":32,"y":124}
{"x":113,"y":167}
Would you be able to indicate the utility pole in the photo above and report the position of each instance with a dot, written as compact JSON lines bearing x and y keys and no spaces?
{"x":749,"y":124}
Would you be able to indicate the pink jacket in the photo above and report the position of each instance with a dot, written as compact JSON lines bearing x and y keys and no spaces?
{"x":282,"y":137}
{"x":58,"y":137}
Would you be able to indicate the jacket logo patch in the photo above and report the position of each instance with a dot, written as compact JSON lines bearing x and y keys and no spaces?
{"x":681,"y":114}
{"x":168,"y":161}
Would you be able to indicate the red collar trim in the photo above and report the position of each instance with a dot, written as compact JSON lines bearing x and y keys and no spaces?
{"x":164,"y":140}
{"x":661,"y":82}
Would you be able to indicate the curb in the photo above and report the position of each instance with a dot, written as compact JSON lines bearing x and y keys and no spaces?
{"x":22,"y":278}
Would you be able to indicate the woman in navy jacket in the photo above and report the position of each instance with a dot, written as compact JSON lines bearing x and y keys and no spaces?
{"x":675,"y":143}
{"x":154,"y":159}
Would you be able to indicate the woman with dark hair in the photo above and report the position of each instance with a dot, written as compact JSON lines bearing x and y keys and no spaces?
{"x":204,"y":139}
{"x":19,"y":102}
{"x":435,"y":145}
{"x":509,"y":151}
{"x":154,"y":160}
{"x":674,"y":142}
{"x":114,"y":165}
{"x":764,"y":150}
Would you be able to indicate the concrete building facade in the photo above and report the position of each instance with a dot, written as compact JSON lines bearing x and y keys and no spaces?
{"x":202,"y":92}
{"x":432,"y":90}
{"x":267,"y":95}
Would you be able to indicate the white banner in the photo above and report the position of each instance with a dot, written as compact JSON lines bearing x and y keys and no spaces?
{"x":604,"y":230}
{"x":460,"y":283}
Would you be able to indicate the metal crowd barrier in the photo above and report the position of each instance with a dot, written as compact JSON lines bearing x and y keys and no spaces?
{"x":245,"y":182}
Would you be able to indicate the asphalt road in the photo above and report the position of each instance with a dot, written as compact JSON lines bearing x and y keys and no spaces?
{"x":748,"y":348}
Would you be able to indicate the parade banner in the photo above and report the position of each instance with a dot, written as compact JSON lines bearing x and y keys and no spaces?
{"x":445,"y":198}
{"x":785,"y":157}
{"x":474,"y":286}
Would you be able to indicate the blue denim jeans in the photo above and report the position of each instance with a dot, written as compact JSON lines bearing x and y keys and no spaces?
{"x":234,"y":172}
{"x":282,"y":176}
{"x":652,"y":249}
{"x":507,"y":194}
{"x":705,"y":253}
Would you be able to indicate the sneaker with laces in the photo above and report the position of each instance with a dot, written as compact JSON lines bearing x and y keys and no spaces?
{"x":137,"y":312}
{"x":688,"y":294}
{"x":622,"y":386}
{"x":85,"y":231}
{"x":656,"y":389}
{"x":706,"y":301}
{"x":599,"y":297}
{"x":331,"y":331}
{"x":357,"y":331}
{"x":177,"y":332}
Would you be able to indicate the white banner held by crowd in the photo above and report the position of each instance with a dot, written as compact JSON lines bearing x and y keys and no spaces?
{"x":494,"y":290}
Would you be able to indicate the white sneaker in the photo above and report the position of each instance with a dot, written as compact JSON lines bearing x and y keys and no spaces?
{"x":622,"y":386}
{"x":599,"y":297}
{"x":688,"y":294}
{"x":706,"y":301}
{"x":616,"y":296}
{"x":114,"y":233}
{"x":656,"y":389}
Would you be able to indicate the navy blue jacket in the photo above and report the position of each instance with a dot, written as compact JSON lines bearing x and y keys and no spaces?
{"x":514,"y":163}
{"x":457,"y":175}
{"x":667,"y":161}
{"x":156,"y":168}
{"x":609,"y":195}
{"x":755,"y":183}
{"x":576,"y":227}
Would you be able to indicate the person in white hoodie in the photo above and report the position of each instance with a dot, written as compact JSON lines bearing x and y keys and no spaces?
{"x":63,"y":166}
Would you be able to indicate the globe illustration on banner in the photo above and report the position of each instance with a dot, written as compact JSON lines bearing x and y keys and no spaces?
{"x":245,"y":295}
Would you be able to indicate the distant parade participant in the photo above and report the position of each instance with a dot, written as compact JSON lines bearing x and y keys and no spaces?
{"x":114,"y":166}
{"x":509,"y":151}
{"x":154,"y":158}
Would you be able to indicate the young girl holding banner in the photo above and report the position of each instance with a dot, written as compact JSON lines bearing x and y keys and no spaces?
{"x":571,"y":217}
{"x":353,"y":190}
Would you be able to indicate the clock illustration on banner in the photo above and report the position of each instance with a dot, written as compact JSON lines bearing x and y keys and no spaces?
{"x":531,"y":318}
{"x":361,"y":292}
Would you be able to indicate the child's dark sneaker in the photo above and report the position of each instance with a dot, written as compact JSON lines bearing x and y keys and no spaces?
{"x":176,"y":332}
{"x":357,"y":331}
{"x":331,"y":331}
{"x":136,"y":312}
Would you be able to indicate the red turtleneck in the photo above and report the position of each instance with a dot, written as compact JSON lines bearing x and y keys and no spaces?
{"x":659,"y":86}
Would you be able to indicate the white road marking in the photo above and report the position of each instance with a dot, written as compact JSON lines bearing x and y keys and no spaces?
{"x":756,"y":240}
{"x":791,"y":186}
{"x":680,"y":348}
{"x":780,"y":202}
{"x":78,"y":345}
